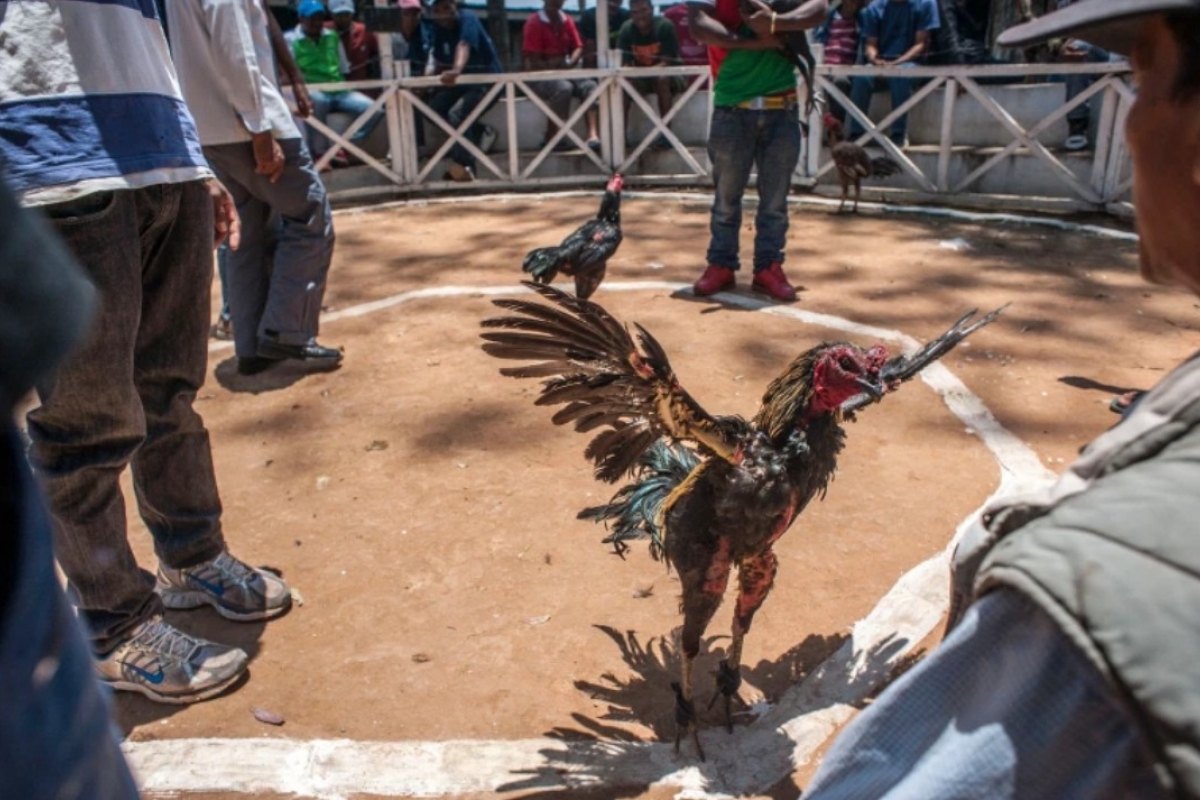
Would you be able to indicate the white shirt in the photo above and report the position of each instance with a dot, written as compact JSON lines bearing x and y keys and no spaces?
{"x":223,"y":53}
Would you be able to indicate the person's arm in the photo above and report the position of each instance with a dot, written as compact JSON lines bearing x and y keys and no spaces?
{"x":462,"y":52}
{"x":871,"y":52}
{"x":243,"y":81}
{"x":576,"y":56}
{"x":766,"y":22}
{"x":706,"y":29}
{"x":927,"y":22}
{"x":287,"y":64}
{"x":1002,"y":707}
{"x":920,"y":45}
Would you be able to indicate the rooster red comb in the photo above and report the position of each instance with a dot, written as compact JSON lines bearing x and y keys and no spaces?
{"x":830,"y":121}
{"x":615,"y":183}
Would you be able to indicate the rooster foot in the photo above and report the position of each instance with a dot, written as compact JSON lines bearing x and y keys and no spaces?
{"x":729,"y":680}
{"x":685,"y":720}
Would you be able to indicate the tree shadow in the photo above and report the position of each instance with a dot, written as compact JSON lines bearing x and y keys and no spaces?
{"x":596,"y":756}
{"x":1078,"y":382}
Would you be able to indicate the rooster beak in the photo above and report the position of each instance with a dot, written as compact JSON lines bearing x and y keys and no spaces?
{"x":873,"y":388}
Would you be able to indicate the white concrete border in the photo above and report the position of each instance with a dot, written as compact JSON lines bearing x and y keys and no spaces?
{"x":757,"y":757}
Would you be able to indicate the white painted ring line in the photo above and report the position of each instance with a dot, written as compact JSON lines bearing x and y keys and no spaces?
{"x":755,"y":759}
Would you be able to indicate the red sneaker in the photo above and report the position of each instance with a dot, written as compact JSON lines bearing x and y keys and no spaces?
{"x":714,"y":280}
{"x":772,"y":281}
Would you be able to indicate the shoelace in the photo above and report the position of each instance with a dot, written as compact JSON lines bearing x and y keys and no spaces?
{"x":169,"y":643}
{"x":234,"y":570}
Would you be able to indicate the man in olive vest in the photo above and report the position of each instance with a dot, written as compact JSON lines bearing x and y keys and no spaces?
{"x":1071,"y":667}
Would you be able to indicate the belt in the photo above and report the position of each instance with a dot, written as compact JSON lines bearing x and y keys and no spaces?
{"x":770,"y":102}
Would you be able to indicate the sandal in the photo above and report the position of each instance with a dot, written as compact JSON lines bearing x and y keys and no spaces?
{"x":1124,"y":403}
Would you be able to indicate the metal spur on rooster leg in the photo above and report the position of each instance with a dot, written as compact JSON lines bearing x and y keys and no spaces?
{"x":712,"y":494}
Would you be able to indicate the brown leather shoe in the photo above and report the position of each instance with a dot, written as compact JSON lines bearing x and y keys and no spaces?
{"x":772,"y":281}
{"x":714,"y":279}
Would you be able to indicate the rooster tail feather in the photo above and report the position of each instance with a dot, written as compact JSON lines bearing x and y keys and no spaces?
{"x":634,"y":511}
{"x":884,"y":167}
{"x":543,"y":263}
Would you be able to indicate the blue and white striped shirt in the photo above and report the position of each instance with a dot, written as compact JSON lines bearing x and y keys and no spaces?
{"x":89,"y":100}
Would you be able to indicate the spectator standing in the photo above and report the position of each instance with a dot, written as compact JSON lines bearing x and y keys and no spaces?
{"x":320,"y":58}
{"x":897,"y":34}
{"x":650,"y":41}
{"x":276,"y":278}
{"x":1079,"y":119}
{"x":843,"y":46}
{"x":755,"y":122}
{"x":121,"y":174}
{"x":461,"y":46}
{"x":617,"y":17}
{"x":550,"y":41}
{"x":360,"y":45}
{"x":1069,"y":669}
{"x":691,"y":52}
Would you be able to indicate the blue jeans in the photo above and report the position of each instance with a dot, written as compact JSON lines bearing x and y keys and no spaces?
{"x":124,"y":398}
{"x":277,"y":275}
{"x":454,"y":104}
{"x":739,"y":139}
{"x":223,"y":275}
{"x":353,"y":103}
{"x":1081,"y":114}
{"x":864,"y":86}
{"x":56,"y":734}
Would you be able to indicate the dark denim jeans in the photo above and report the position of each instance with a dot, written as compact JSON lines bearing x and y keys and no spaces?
{"x":454,"y":104}
{"x":124,"y":397}
{"x":901,"y":89}
{"x":1081,"y":114}
{"x":56,"y":734}
{"x":276,"y":278}
{"x":738,"y":140}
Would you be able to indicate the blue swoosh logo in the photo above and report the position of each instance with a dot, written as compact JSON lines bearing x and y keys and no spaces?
{"x":153,"y":677}
{"x":216,"y":589}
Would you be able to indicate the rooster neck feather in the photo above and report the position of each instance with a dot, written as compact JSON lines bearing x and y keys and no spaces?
{"x":788,"y":400}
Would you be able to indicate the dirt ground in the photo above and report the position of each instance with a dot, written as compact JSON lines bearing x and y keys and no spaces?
{"x":425,"y":509}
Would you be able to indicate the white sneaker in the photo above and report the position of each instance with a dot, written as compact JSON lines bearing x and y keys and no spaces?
{"x":1075,"y":143}
{"x":168,"y":666}
{"x":487,"y":138}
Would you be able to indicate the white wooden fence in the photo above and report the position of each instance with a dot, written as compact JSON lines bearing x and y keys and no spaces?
{"x":933,"y":170}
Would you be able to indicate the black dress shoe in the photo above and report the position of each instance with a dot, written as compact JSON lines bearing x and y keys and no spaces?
{"x":254,"y":365}
{"x":311,"y":353}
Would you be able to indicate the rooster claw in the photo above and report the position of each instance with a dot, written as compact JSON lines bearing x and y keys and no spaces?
{"x":685,"y":720}
{"x":729,"y":680}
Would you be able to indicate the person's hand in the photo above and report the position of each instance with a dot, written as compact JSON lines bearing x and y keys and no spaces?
{"x":450,"y":77}
{"x":304,"y":103}
{"x":1071,"y":52}
{"x":759,"y":20}
{"x":268,"y":156}
{"x":226,"y":225}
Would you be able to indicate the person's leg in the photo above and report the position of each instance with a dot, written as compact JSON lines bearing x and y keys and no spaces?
{"x":777,"y":151}
{"x":248,"y":278}
{"x":356,"y":104}
{"x":468,"y":98}
{"x":901,"y":90}
{"x":861,"y":89}
{"x":557,"y":96}
{"x":318,"y":143}
{"x":1079,"y":118}
{"x":173,"y":476}
{"x":583,"y":90}
{"x":731,"y":153}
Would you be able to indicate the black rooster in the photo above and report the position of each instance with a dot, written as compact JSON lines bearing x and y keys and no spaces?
{"x":585,"y":253}
{"x":794,"y":45}
{"x":723,"y":500}
{"x":853,"y":163}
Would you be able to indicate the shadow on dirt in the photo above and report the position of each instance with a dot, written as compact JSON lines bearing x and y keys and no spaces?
{"x":596,"y":752}
{"x":276,"y":377}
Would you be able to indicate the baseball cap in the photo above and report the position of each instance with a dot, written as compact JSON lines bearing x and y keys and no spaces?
{"x":410,"y":4}
{"x":310,"y":8}
{"x":1111,"y":24}
{"x":341,"y":6}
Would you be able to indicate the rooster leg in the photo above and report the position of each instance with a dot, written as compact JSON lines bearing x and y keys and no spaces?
{"x":845,"y":194}
{"x":857,"y":194}
{"x":703,"y":588}
{"x":756,"y":576}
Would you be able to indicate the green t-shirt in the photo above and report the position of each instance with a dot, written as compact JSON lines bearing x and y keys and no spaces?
{"x":746,"y":74}
{"x":646,"y":49}
{"x":319,"y":61}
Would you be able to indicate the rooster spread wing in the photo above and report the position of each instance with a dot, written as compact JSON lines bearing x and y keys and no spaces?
{"x":902,"y":368}
{"x":603,"y":379}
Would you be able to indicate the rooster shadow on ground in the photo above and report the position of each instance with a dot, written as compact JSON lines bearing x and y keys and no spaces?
{"x":602,"y":758}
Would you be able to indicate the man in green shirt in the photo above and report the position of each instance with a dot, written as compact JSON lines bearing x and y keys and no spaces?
{"x":320,"y":58}
{"x":755,"y":122}
{"x":649,"y":41}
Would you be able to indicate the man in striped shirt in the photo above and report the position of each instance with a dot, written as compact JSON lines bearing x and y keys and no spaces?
{"x":95,"y":134}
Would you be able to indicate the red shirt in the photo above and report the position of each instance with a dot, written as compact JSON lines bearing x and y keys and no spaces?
{"x":729,"y":14}
{"x":545,"y":38}
{"x":362,"y":50}
{"x":690,"y":51}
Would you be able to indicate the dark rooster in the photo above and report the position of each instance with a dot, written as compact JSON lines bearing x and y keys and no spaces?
{"x":726,"y":496}
{"x":852,"y":162}
{"x":794,"y":46}
{"x":585,"y":253}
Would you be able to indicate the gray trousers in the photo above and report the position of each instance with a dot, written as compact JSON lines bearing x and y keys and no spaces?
{"x":124,"y":398}
{"x":277,"y":276}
